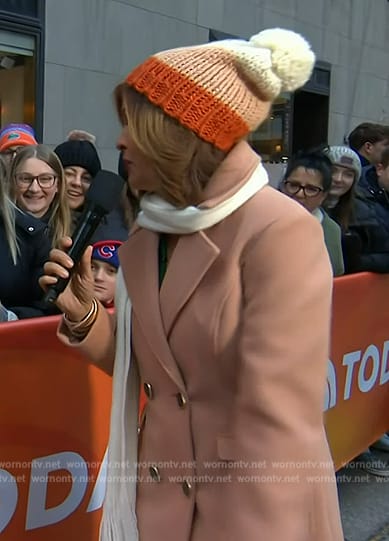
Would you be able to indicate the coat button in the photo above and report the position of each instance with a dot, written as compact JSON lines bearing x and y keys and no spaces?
{"x":182,"y":401}
{"x":187,"y":488}
{"x":154,"y":472}
{"x":31,"y":229}
{"x":148,"y":388}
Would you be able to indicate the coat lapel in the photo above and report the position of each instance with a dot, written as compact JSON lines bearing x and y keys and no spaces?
{"x":139,"y":262}
{"x":191,"y":259}
{"x":157,"y":310}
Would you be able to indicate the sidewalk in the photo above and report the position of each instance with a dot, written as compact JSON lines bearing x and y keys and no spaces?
{"x":364,"y":505}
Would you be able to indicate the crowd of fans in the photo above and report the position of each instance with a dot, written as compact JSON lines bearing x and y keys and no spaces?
{"x":347,"y":189}
{"x":42,"y":195}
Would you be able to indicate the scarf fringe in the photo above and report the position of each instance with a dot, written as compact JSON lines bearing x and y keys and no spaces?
{"x":116,"y":528}
{"x":119,"y":512}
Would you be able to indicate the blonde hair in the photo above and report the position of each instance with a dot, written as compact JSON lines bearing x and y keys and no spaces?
{"x":59,"y":222}
{"x":7,"y":212}
{"x":183,"y":162}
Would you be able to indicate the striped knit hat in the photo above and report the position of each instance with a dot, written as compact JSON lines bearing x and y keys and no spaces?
{"x":223,"y":90}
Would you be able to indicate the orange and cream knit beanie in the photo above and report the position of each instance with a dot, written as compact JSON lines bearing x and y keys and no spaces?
{"x":223,"y":90}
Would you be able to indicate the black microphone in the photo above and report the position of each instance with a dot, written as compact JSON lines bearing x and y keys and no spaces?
{"x":101,"y":198}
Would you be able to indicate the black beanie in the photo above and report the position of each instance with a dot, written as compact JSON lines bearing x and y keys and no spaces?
{"x":81,"y":153}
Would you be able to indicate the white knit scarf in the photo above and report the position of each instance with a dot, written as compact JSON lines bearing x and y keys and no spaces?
{"x":119,"y":515}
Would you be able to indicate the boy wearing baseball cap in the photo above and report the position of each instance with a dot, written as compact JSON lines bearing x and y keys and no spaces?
{"x":105,"y":264}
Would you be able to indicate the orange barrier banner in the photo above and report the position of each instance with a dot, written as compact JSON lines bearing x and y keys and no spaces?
{"x":54,"y":413}
{"x":54,"y":418}
{"x":357,"y":400}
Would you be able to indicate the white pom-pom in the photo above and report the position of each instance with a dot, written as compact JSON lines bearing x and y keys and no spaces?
{"x":291,"y":56}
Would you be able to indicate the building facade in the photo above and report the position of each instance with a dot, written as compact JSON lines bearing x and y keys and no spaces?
{"x":60,"y":60}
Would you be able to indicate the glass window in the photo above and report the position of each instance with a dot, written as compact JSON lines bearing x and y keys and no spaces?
{"x":17,"y":78}
{"x":21,"y":7}
{"x":271,"y":139}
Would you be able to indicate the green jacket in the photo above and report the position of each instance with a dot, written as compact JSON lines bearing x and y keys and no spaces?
{"x":333,"y":241}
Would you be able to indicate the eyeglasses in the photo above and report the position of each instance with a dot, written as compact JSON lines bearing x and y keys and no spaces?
{"x":293,"y":188}
{"x":45,"y":180}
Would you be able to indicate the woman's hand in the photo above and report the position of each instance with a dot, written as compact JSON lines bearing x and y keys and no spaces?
{"x":76,"y":300}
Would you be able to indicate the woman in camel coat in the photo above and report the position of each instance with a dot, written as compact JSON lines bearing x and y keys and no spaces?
{"x":223,"y":308}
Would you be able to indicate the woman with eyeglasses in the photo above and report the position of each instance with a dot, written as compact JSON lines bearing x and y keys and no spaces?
{"x":24,"y":247}
{"x":307,"y":180}
{"x":37,"y":185}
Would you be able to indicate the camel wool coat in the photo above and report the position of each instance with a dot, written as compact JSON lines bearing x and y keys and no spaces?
{"x":232,"y":352}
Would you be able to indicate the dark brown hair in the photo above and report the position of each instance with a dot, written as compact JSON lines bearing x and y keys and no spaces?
{"x":343,"y":212}
{"x":367,"y":132}
{"x":183,"y":162}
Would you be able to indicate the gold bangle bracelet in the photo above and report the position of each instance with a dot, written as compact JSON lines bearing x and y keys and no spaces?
{"x":72,"y":322}
{"x":82,"y":327}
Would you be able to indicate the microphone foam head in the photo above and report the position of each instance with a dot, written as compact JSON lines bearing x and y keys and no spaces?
{"x":105,"y":191}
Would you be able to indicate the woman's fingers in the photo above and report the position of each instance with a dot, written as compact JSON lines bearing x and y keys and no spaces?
{"x":60,"y":265}
{"x":45,"y":281}
{"x":55,"y":269}
{"x":65,"y":243}
{"x":59,"y":257}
